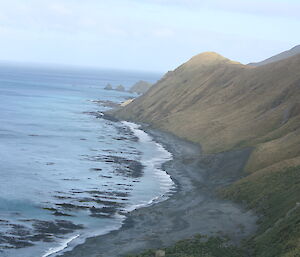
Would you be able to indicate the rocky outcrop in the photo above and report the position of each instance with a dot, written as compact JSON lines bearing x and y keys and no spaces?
{"x":120,"y":88}
{"x":108,"y":87}
{"x":140,"y":87}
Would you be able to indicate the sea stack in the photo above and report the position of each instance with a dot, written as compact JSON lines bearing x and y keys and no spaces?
{"x":141,"y":87}
{"x":108,"y":87}
{"x":120,"y":88}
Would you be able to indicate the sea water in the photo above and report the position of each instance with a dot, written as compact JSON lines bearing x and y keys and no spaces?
{"x":66,"y":173}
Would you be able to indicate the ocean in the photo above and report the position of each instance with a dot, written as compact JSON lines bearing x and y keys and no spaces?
{"x":66,"y":173}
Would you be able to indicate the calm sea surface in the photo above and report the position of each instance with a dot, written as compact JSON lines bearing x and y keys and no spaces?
{"x":65,"y":173}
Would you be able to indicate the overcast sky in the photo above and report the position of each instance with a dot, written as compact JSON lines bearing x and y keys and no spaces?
{"x":154,"y":35}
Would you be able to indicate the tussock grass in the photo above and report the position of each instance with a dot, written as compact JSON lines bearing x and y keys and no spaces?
{"x":275,"y":195}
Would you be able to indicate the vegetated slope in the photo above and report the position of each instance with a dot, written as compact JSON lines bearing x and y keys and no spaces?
{"x":286,"y":54}
{"x":199,"y":246}
{"x":273,"y":192}
{"x":225,"y":105}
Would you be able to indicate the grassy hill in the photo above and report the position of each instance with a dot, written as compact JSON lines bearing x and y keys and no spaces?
{"x":224,"y":105}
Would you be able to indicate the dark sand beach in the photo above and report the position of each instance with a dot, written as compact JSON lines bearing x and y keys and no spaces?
{"x":195,"y":208}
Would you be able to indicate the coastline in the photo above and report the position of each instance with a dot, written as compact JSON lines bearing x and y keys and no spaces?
{"x":152,"y":167}
{"x":193,"y":209}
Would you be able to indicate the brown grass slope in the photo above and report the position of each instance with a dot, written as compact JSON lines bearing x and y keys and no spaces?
{"x":225,"y":105}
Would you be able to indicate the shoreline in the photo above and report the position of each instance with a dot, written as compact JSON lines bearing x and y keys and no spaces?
{"x":192,"y":209}
{"x":155,"y":165}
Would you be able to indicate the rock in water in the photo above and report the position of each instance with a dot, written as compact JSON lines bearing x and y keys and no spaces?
{"x":140,"y":87}
{"x":120,"y":88}
{"x":108,"y":87}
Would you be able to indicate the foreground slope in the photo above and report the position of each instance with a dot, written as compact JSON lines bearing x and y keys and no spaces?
{"x":224,"y":105}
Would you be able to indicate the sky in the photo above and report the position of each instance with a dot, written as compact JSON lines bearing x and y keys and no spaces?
{"x":148,"y":35}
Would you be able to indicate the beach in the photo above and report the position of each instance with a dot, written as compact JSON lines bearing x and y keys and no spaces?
{"x":195,"y":207}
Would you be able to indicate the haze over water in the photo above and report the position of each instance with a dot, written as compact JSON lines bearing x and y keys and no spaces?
{"x":66,"y":173}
